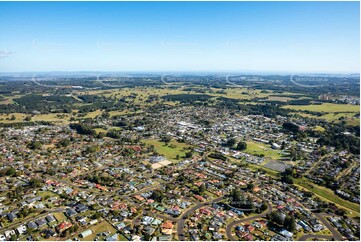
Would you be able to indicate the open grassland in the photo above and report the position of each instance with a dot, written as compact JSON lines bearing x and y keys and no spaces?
{"x":93,"y":114}
{"x":6,"y":118}
{"x":254,"y":148}
{"x":239,"y":93}
{"x":8,"y":99}
{"x":19,"y":117}
{"x":319,"y":128}
{"x":334,"y":117}
{"x":278,"y":98}
{"x":169,"y":151}
{"x":328,"y":195}
{"x":326,"y":108}
{"x":52,"y":117}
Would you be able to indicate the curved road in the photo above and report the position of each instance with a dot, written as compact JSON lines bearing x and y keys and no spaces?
{"x":181,"y":224}
{"x":234,"y":223}
{"x":336,"y":234}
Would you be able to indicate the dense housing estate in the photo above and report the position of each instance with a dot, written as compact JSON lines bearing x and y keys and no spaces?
{"x":183,"y":161}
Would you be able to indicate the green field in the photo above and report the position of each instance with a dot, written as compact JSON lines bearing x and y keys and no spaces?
{"x":93,"y":114}
{"x":98,"y":228}
{"x":167,"y":151}
{"x":19,"y":117}
{"x":334,"y":117}
{"x":60,"y":216}
{"x":254,"y":148}
{"x":319,"y":128}
{"x":328,"y":195}
{"x":326,"y":108}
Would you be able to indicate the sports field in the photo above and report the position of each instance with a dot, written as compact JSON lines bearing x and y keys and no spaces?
{"x":169,"y":151}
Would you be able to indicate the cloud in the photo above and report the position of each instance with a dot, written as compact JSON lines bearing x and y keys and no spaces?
{"x":6,"y":53}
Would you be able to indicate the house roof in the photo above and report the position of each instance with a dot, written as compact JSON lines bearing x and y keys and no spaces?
{"x":167,"y":225}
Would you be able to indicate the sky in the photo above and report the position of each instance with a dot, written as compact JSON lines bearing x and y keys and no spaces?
{"x":292,"y":37}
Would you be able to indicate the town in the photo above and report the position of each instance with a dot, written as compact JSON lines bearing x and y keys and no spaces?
{"x":184,"y":160}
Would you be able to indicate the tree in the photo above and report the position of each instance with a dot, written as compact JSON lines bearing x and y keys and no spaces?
{"x":97,"y":215}
{"x":34,"y":145}
{"x":82,"y":129}
{"x":289,"y":223}
{"x":241,"y":145}
{"x":64,"y":143}
{"x":35,"y":182}
{"x":101,"y":135}
{"x":157,"y":196}
{"x":240,"y":201}
{"x":165,"y":138}
{"x":27,"y":118}
{"x":231,"y":142}
{"x":13,"y":117}
{"x":275,"y":217}
{"x":250,"y":186}
{"x":189,"y":154}
{"x":264,"y":206}
{"x":11,"y":171}
{"x":202,"y":189}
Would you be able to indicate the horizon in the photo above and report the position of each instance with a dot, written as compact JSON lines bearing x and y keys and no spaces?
{"x":147,"y":37}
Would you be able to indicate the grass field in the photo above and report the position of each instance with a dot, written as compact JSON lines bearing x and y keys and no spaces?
{"x":93,"y":114}
{"x":334,"y":117}
{"x":319,"y":128}
{"x":254,"y":148}
{"x":281,"y":99}
{"x":5,"y":118}
{"x":52,"y":117}
{"x":326,"y":108}
{"x":43,"y":194}
{"x":19,"y":117}
{"x":98,"y":228}
{"x":328,"y":195}
{"x":60,"y":216}
{"x":167,"y":151}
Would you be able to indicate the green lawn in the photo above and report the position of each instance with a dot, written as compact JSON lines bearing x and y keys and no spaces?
{"x":254,"y":148}
{"x":167,"y":151}
{"x":98,"y":228}
{"x":43,"y":194}
{"x":60,"y":216}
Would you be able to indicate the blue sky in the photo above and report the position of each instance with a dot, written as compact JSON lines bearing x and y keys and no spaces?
{"x":180,"y":36}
